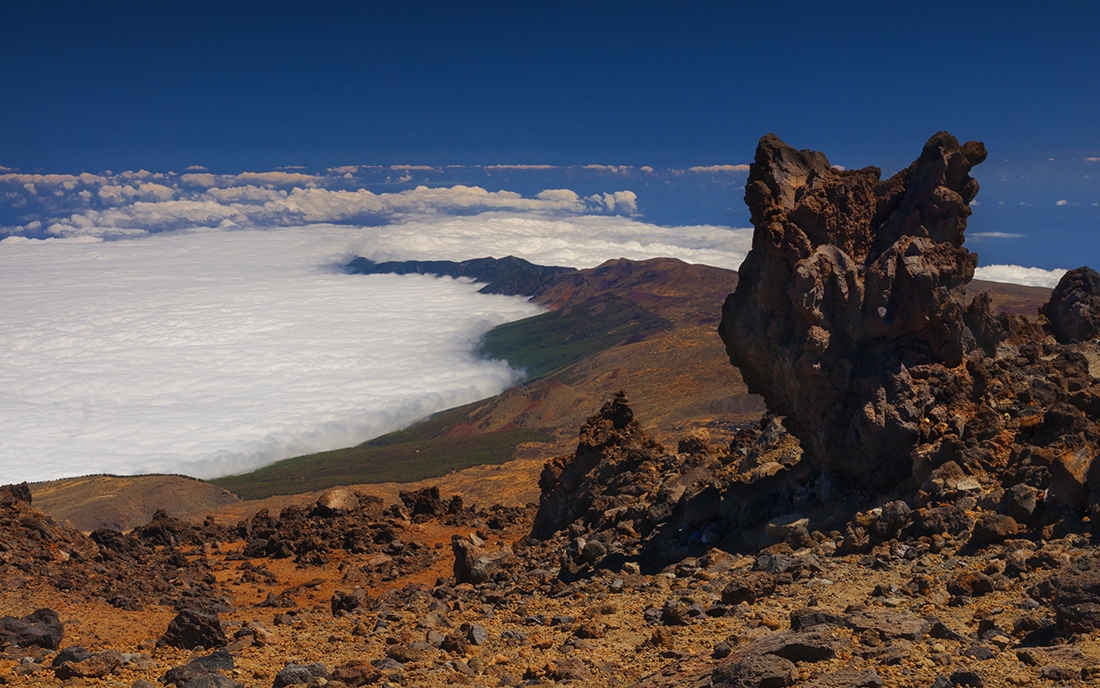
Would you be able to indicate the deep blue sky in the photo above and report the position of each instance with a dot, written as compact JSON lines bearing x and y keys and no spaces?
{"x":256,"y":85}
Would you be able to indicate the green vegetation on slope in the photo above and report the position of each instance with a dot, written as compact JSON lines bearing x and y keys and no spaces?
{"x":553,"y":340}
{"x":400,"y":461}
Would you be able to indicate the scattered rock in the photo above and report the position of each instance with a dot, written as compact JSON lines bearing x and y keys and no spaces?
{"x":754,"y":671}
{"x":337,"y":501}
{"x":40,"y":628}
{"x":477,"y":564}
{"x":192,"y":629}
{"x":209,"y":664}
{"x":95,"y":665}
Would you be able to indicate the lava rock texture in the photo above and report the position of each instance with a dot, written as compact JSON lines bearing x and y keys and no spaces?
{"x":850,"y":320}
{"x":848,"y":315}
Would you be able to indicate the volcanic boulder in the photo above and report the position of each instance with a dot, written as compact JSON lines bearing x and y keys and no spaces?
{"x":848,"y":314}
{"x":193,"y":629}
{"x":40,"y":628}
{"x":475,"y":563}
{"x":1073,"y":311}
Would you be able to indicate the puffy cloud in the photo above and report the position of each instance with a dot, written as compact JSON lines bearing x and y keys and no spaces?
{"x":275,"y":178}
{"x":204,"y":179}
{"x":67,"y":181}
{"x":145,"y":191}
{"x":1061,"y":202}
{"x":566,"y":196}
{"x":141,"y":201}
{"x":1017,"y":274}
{"x":620,"y":201}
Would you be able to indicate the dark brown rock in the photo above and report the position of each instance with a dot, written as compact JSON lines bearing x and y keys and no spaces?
{"x":848,"y":315}
{"x":569,"y":670}
{"x":455,"y":643}
{"x":40,"y":628}
{"x":748,"y":587}
{"x":410,"y":652}
{"x":754,"y":671}
{"x":356,"y":673}
{"x":475,"y":563}
{"x":888,"y":624}
{"x":805,"y":646}
{"x":1077,"y":596}
{"x":163,"y":529}
{"x":993,"y":529}
{"x":96,"y":665}
{"x":192,"y":629}
{"x":350,"y":601}
{"x":208,"y":664}
{"x":808,"y":617}
{"x":611,"y":443}
{"x":423,"y":502}
{"x":20,"y":492}
{"x":1073,"y":312}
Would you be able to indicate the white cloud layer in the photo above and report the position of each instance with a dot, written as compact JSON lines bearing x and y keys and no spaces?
{"x":1017,"y":274}
{"x":583,"y":241}
{"x":215,"y":351}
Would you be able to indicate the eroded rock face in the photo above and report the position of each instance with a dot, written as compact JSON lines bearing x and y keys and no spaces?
{"x":1073,"y":311}
{"x":849,"y":317}
{"x":611,"y":443}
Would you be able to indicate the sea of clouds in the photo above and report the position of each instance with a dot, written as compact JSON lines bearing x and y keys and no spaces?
{"x":202,"y":324}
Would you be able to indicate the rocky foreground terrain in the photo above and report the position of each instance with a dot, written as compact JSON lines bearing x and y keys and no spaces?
{"x":917,"y":508}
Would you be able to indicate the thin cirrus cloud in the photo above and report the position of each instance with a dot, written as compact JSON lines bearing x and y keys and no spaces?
{"x":994,"y":235}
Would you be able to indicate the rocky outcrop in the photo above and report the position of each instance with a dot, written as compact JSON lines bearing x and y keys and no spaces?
{"x":611,"y":444}
{"x":9,"y":494}
{"x":848,"y":314}
{"x":850,"y":319}
{"x":1073,"y":312}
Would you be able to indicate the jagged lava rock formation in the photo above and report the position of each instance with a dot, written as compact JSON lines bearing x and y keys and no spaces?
{"x":848,"y":316}
{"x":849,"y":319}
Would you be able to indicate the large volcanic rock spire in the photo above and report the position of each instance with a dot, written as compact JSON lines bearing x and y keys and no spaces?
{"x":848,"y":317}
